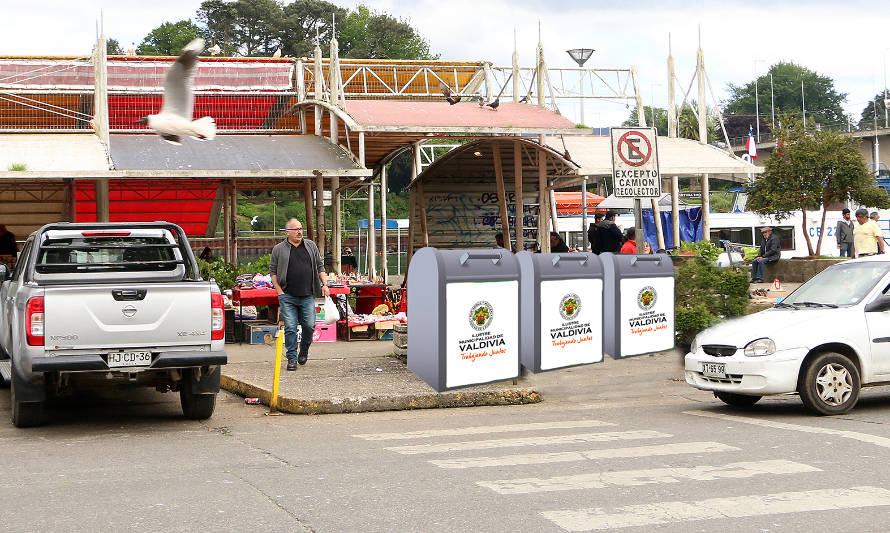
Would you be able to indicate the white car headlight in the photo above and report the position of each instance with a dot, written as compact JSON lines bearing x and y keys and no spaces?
{"x":760,"y":347}
{"x":694,"y":346}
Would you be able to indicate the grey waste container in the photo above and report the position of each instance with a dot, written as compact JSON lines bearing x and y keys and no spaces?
{"x":463,"y":317}
{"x":638,"y":307}
{"x":560,"y":310}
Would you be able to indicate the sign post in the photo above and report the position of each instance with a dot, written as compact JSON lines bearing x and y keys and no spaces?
{"x":635,"y":172}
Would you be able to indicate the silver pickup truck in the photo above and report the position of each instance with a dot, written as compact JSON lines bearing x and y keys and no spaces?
{"x":90,"y":305}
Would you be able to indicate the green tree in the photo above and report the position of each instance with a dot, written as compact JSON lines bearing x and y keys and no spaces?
{"x":823,"y":102}
{"x":660,"y":122}
{"x":372,"y":35}
{"x":113,"y":48}
{"x":302,"y":18}
{"x":867,"y":118}
{"x":243,"y":27}
{"x":810,"y":170}
{"x":169,"y":38}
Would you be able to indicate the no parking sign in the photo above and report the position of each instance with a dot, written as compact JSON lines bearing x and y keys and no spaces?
{"x":635,"y":163}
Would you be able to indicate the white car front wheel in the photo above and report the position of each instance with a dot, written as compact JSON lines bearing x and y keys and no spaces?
{"x":829,"y":384}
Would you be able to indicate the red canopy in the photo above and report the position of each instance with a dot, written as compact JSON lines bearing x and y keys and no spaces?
{"x":569,"y":203}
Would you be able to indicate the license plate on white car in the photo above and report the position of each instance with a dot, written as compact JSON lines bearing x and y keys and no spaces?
{"x":119,"y":359}
{"x":713,"y":370}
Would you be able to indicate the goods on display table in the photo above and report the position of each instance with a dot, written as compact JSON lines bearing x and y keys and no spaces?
{"x":377,"y":308}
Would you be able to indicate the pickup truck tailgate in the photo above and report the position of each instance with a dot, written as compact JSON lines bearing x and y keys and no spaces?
{"x":120,"y":316}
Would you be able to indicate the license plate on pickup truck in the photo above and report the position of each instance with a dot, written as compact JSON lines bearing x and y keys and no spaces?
{"x":119,"y":359}
{"x":713,"y":370}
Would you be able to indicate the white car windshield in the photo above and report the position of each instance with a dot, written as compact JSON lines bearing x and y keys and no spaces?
{"x":844,"y":284}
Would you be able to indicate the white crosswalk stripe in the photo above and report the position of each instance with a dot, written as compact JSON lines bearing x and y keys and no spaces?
{"x":528,"y":441}
{"x":597,"y":518}
{"x":485,"y":430}
{"x":631,"y":478}
{"x":675,"y":448}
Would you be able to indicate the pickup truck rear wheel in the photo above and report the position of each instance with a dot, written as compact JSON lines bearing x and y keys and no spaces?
{"x":737,"y":400}
{"x":829,"y":384}
{"x":24,"y":414}
{"x":195,"y":406}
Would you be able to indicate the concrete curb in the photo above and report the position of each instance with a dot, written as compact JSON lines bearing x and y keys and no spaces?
{"x":432,"y":400}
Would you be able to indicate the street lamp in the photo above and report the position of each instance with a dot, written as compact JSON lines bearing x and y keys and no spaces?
{"x":581,"y":55}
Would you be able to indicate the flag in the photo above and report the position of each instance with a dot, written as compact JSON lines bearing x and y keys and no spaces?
{"x":751,"y":144}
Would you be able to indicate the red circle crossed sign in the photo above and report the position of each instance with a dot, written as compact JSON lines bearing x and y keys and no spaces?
{"x":643,"y":153}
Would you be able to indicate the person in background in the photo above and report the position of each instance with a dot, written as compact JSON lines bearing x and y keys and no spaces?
{"x":647,"y":248}
{"x":769,"y":253}
{"x":630,"y":242}
{"x":499,"y":239}
{"x":206,"y":254}
{"x":608,"y":237}
{"x":867,"y":238}
{"x":298,"y":277}
{"x":876,"y":218}
{"x":8,"y":245}
{"x":593,"y":231}
{"x":557,"y":245}
{"x":844,"y":234}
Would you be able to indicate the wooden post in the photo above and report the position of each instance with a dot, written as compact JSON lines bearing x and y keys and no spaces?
{"x":421,"y":206}
{"x":70,"y":200}
{"x":543,"y":201}
{"x":102,"y":201}
{"x":384,"y":267}
{"x":552,"y":209}
{"x":372,"y":235}
{"x":307,"y":201}
{"x":227,"y":225}
{"x":673,"y":127}
{"x":516,"y":84}
{"x":361,"y":148}
{"x":517,"y":185}
{"x":334,"y":88}
{"x":234,"y":218}
{"x":319,"y":212}
{"x":336,"y":238}
{"x":502,"y":195}
{"x":412,"y":203}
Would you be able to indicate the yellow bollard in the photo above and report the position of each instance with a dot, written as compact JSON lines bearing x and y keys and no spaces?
{"x":279,"y":347}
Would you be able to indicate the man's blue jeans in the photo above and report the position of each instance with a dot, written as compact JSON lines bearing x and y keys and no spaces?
{"x":297,"y":310}
{"x":846,"y":249}
{"x":757,"y":267}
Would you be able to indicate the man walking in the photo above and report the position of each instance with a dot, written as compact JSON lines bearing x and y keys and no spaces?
{"x":609,"y":238}
{"x":867,"y":238}
{"x":593,"y":232}
{"x":298,"y":276}
{"x":844,"y":234}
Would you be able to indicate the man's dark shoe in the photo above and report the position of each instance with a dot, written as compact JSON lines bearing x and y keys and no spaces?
{"x":303,"y":357}
{"x":291,"y":364}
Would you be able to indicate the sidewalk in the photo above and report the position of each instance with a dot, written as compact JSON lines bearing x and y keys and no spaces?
{"x":353,"y":377}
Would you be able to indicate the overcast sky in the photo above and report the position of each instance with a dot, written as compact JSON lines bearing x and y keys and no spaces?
{"x":844,"y":40}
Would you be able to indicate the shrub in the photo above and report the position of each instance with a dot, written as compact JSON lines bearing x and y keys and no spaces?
{"x":704,"y":294}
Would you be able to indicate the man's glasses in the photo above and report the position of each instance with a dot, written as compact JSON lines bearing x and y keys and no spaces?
{"x":293,"y":229}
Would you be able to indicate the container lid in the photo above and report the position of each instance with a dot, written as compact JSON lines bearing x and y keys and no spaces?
{"x":577,"y":265}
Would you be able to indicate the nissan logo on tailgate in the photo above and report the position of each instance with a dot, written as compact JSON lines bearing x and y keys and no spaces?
{"x":129,"y":311}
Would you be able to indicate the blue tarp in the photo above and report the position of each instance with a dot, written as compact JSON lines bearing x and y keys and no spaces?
{"x":690,"y":227}
{"x":390,"y":223}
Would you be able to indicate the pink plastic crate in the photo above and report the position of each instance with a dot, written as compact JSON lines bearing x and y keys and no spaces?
{"x":325,"y":332}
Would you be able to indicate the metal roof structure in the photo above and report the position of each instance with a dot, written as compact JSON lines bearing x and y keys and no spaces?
{"x":52,"y":152}
{"x":676,"y":156}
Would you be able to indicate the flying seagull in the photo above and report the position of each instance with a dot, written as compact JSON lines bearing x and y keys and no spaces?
{"x":175,"y":118}
{"x":447,"y":92}
{"x":214,"y":50}
{"x":494,"y":105}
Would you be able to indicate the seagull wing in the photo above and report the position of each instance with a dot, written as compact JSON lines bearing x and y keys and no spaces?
{"x":179,"y":96}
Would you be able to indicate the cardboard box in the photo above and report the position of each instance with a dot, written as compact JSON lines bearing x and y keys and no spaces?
{"x":256,"y":334}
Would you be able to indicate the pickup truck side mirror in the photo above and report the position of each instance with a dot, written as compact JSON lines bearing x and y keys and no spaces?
{"x":4,"y":273}
{"x":881,"y":303}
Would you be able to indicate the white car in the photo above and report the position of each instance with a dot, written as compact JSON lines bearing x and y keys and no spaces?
{"x":824,"y":341}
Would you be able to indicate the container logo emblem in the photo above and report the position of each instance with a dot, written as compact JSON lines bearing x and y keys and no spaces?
{"x":480,"y":315}
{"x":647,"y":297}
{"x":569,"y":306}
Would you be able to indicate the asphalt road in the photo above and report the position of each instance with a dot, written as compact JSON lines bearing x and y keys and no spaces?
{"x":624,"y":446}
